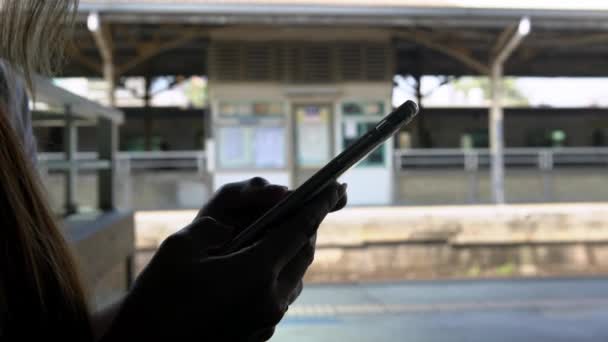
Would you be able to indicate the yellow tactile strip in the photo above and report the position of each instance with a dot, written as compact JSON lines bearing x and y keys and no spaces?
{"x":326,"y":310}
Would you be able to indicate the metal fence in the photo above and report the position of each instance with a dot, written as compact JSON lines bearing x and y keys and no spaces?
{"x":55,"y":104}
{"x":133,"y":161}
{"x":180,"y":180}
{"x":532,"y":174}
{"x":103,"y":239}
{"x":144,"y":180}
{"x":475,"y":159}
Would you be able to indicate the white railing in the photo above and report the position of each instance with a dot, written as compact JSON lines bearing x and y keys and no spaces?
{"x":127,"y":161}
{"x":545,"y":163}
{"x":474,"y":159}
{"x":58,"y":104}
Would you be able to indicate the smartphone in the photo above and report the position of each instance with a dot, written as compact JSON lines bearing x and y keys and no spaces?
{"x":327,"y":175}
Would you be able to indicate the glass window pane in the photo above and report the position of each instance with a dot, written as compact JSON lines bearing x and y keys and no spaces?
{"x":313,"y":145}
{"x":234,"y":147}
{"x":376,"y":157}
{"x":269,"y":147}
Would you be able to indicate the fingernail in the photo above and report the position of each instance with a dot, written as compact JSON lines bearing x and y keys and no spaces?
{"x":276,"y":188}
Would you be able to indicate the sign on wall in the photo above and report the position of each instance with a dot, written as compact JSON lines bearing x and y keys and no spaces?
{"x":313,"y":144}
{"x":251,"y":135}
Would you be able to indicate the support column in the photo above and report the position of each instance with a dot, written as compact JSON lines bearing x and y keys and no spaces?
{"x":503,"y":51}
{"x":107,"y":131}
{"x":107,"y":135}
{"x":147,"y":120}
{"x":110,"y":79}
{"x":70,"y":145}
{"x":497,"y":135}
{"x":421,"y":130}
{"x":103,"y":40}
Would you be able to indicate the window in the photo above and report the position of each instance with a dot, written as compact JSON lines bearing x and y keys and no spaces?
{"x":360,"y":117}
{"x":251,"y":135}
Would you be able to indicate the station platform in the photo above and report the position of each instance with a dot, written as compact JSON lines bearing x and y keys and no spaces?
{"x":398,"y":243}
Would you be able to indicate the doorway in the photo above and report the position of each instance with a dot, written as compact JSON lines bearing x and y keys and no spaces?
{"x":313,"y":134}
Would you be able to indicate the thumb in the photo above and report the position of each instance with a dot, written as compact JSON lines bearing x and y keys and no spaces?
{"x":208,"y":234}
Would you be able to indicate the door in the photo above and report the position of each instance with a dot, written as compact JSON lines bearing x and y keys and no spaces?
{"x":371,"y":181}
{"x":313,"y":146}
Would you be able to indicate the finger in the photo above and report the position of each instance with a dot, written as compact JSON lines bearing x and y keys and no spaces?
{"x":294,"y":271}
{"x":225,"y":195}
{"x":261,"y":200}
{"x":262,"y":335}
{"x":250,"y":202}
{"x":253,"y":204}
{"x":275,"y":191}
{"x":281,"y":244}
{"x":257,"y":182}
{"x":296,"y":293}
{"x":230,"y":193}
{"x":208,"y":234}
{"x":343,"y":201}
{"x":313,"y":240}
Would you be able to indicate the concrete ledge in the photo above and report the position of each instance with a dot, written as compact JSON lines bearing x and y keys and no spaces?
{"x":396,"y":243}
{"x":104,"y":245}
{"x":509,"y":224}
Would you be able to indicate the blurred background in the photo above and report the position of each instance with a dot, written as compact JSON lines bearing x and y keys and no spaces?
{"x":483,"y":220}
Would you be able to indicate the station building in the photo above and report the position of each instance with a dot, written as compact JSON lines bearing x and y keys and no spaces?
{"x":292,"y":83}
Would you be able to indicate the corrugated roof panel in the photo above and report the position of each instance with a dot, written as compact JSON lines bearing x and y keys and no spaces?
{"x":478,"y":4}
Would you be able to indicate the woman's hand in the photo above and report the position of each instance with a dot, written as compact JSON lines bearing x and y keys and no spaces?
{"x":186,"y":294}
{"x":251,"y":199}
{"x":239,"y":204}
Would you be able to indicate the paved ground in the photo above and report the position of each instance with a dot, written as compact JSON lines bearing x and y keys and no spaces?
{"x":475,"y":311}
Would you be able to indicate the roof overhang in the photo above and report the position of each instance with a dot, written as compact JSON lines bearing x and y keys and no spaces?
{"x":568,"y":37}
{"x":588,"y":14}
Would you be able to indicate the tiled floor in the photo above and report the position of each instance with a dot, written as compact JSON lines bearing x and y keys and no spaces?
{"x":480,"y":311}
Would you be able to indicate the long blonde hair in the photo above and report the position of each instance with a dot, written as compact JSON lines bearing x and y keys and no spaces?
{"x":33,"y":33}
{"x":40,"y":292}
{"x":39,"y":285}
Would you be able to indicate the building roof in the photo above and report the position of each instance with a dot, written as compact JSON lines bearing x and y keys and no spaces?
{"x":480,"y":4}
{"x":550,"y":14}
{"x":568,"y":38}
